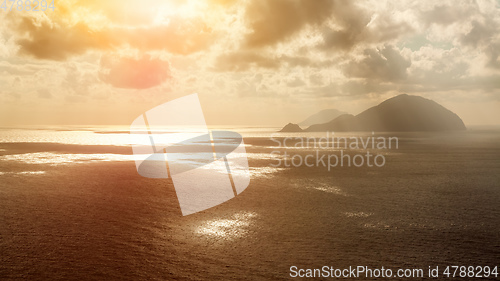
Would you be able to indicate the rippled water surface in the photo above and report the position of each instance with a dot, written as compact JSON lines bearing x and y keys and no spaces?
{"x":72,"y":207}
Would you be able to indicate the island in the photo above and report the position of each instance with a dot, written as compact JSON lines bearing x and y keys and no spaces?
{"x":402,"y":113}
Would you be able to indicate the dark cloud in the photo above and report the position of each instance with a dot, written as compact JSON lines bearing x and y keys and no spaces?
{"x":483,"y":36}
{"x":273,"y":21}
{"x":385,"y":64}
{"x":340,"y":39}
{"x":351,"y":22}
{"x":493,"y":54}
{"x":358,"y":27}
{"x":44,"y":40}
{"x":480,"y":34}
{"x":341,"y":23}
{"x":132,"y":73}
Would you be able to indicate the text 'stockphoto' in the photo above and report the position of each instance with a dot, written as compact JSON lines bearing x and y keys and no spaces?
{"x":249,"y":140}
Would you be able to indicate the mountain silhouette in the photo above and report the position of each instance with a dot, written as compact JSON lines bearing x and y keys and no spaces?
{"x":323,"y":116}
{"x":290,"y":128}
{"x":403,"y":113}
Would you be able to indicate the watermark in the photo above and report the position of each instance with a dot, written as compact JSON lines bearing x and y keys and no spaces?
{"x":206,"y":167}
{"x":453,"y":271}
{"x":27,"y":5}
{"x":331,"y":151}
{"x":354,"y":272}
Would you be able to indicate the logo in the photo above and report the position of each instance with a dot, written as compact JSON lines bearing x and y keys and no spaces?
{"x":207,"y":167}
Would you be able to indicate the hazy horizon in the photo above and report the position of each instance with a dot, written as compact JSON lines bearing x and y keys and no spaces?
{"x":13,"y":122}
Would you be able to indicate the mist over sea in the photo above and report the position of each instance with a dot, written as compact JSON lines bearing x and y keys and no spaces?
{"x":73,"y":207}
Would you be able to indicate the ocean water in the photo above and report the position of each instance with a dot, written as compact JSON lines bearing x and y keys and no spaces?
{"x":72,"y":207}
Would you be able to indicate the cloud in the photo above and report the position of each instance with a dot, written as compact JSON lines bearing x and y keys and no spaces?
{"x":316,"y":79}
{"x":358,"y":27}
{"x":21,"y":69}
{"x":243,"y":61}
{"x":46,"y":40}
{"x":55,"y":39}
{"x":142,"y":73}
{"x":385,"y":64}
{"x":342,"y":24}
{"x":179,"y":36}
{"x":445,"y":15}
{"x":479,"y":34}
{"x":247,"y":60}
{"x":289,"y":34}
{"x":296,"y":82}
{"x":356,"y":87}
{"x":493,"y":55}
{"x":350,"y":22}
{"x":78,"y":80}
{"x":273,"y":21}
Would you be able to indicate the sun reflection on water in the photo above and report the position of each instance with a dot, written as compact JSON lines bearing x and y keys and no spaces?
{"x":330,"y":189}
{"x":32,"y":173}
{"x":234,"y":227}
{"x":51,"y":158}
{"x":357,"y":214}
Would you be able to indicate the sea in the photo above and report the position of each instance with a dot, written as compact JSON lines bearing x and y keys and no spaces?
{"x":73,"y":207}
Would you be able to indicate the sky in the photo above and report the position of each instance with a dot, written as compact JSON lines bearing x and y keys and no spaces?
{"x":256,"y":63}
